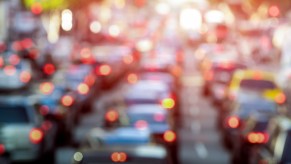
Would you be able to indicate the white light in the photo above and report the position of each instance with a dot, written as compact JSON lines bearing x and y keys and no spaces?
{"x":214,"y":16}
{"x":67,"y":20}
{"x":78,"y":156}
{"x":114,"y":30}
{"x":144,"y":45}
{"x":95,"y":27}
{"x":162,"y":8}
{"x":191,"y":19}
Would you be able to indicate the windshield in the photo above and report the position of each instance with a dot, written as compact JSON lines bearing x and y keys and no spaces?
{"x":13,"y":115}
{"x":257,"y":84}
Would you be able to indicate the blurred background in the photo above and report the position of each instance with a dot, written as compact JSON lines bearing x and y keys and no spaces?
{"x":145,"y":81}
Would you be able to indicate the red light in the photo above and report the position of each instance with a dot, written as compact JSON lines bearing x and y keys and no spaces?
{"x":274,"y":11}
{"x":233,"y":122}
{"x":90,"y":80}
{"x":258,"y":138}
{"x":132,"y":78}
{"x":14,"y":59}
{"x":83,"y":88}
{"x":46,"y":88}
{"x":280,"y":98}
{"x":226,"y":65}
{"x":209,"y":76}
{"x":27,"y":43}
{"x":36,"y":8}
{"x":25,"y":77}
{"x":36,"y":136}
{"x":257,"y":75}
{"x":44,"y":110}
{"x":16,"y":46}
{"x":118,"y":157}
{"x":159,"y":117}
{"x":1,"y":62}
{"x":104,"y":70}
{"x":9,"y":70}
{"x":168,"y":103}
{"x":141,"y":124}
{"x":111,"y":116}
{"x":46,"y":125}
{"x":49,"y":69}
{"x":86,"y":55}
{"x":169,"y":136}
{"x":67,"y":100}
{"x":128,"y":59}
{"x":2,"y":149}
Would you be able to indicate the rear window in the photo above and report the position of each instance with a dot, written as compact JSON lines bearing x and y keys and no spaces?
{"x":261,"y":126}
{"x":257,"y":84}
{"x":13,"y":115}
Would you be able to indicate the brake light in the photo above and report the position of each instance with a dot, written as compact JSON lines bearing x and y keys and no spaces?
{"x":257,"y":138}
{"x":16,"y":46}
{"x":233,"y":122}
{"x":46,"y":87}
{"x":141,"y":124}
{"x":90,"y":80}
{"x":257,"y":75}
{"x":118,"y":157}
{"x":209,"y":76}
{"x":49,"y":69}
{"x":14,"y":59}
{"x":36,"y":136}
{"x":128,"y":59}
{"x":44,"y":110}
{"x":159,"y":117}
{"x":83,"y":89}
{"x":27,"y":43}
{"x":2,"y":149}
{"x":169,"y":136}
{"x":132,"y":78}
{"x":46,"y":125}
{"x":9,"y":70}
{"x":104,"y":70}
{"x":25,"y":77}
{"x":86,"y":55}
{"x":67,"y":100}
{"x":111,"y":116}
{"x":280,"y":98}
{"x":168,"y":103}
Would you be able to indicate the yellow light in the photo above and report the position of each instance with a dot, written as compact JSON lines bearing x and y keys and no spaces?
{"x":168,"y":103}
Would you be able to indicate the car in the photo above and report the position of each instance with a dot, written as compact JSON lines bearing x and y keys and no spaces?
{"x":25,"y":136}
{"x":258,"y":82}
{"x":141,"y":154}
{"x":277,"y":149}
{"x":240,"y":112}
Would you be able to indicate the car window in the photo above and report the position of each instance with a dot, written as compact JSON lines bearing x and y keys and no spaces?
{"x":257,"y":84}
{"x":13,"y":115}
{"x":246,"y":108}
{"x":260,"y":126}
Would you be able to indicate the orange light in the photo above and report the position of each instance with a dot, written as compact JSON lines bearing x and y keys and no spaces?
{"x":2,"y":149}
{"x":1,"y":62}
{"x":83,"y":88}
{"x":128,"y":59}
{"x":9,"y":70}
{"x":36,"y":136}
{"x":90,"y":80}
{"x":122,"y":157}
{"x":169,"y":136}
{"x":233,"y":122}
{"x":86,"y":55}
{"x":258,"y":138}
{"x":104,"y":69}
{"x":36,"y":8}
{"x":274,"y":11}
{"x":168,"y":103}
{"x":111,"y":116}
{"x":14,"y":59}
{"x":209,"y":76}
{"x":25,"y":77}
{"x":49,"y":69}
{"x":257,"y":75}
{"x":67,"y":100}
{"x":280,"y":98}
{"x":115,"y":157}
{"x":132,"y":78}
{"x":46,"y":87}
{"x":141,"y":124}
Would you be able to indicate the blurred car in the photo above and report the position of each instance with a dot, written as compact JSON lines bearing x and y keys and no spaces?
{"x":235,"y":119}
{"x":24,"y":136}
{"x":258,"y":82}
{"x":277,"y":149}
{"x":141,"y":154}
{"x":251,"y":137}
{"x":15,"y":74}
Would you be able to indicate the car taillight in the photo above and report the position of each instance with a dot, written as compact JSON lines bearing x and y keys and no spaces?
{"x":36,"y":136}
{"x":257,"y":137}
{"x":128,"y":59}
{"x":14,"y":59}
{"x":9,"y":70}
{"x":159,"y":117}
{"x":67,"y":100}
{"x":111,"y":116}
{"x":44,"y":110}
{"x":169,"y":136}
{"x":280,"y":98}
{"x":27,"y":43}
{"x":25,"y":77}
{"x":2,"y":149}
{"x":46,"y":87}
{"x":168,"y":103}
{"x":233,"y":122}
{"x":118,"y":157}
{"x":49,"y":69}
{"x":103,"y":70}
{"x":83,"y":89}
{"x":90,"y":80}
{"x":209,"y":76}
{"x":141,"y":124}
{"x":132,"y":78}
